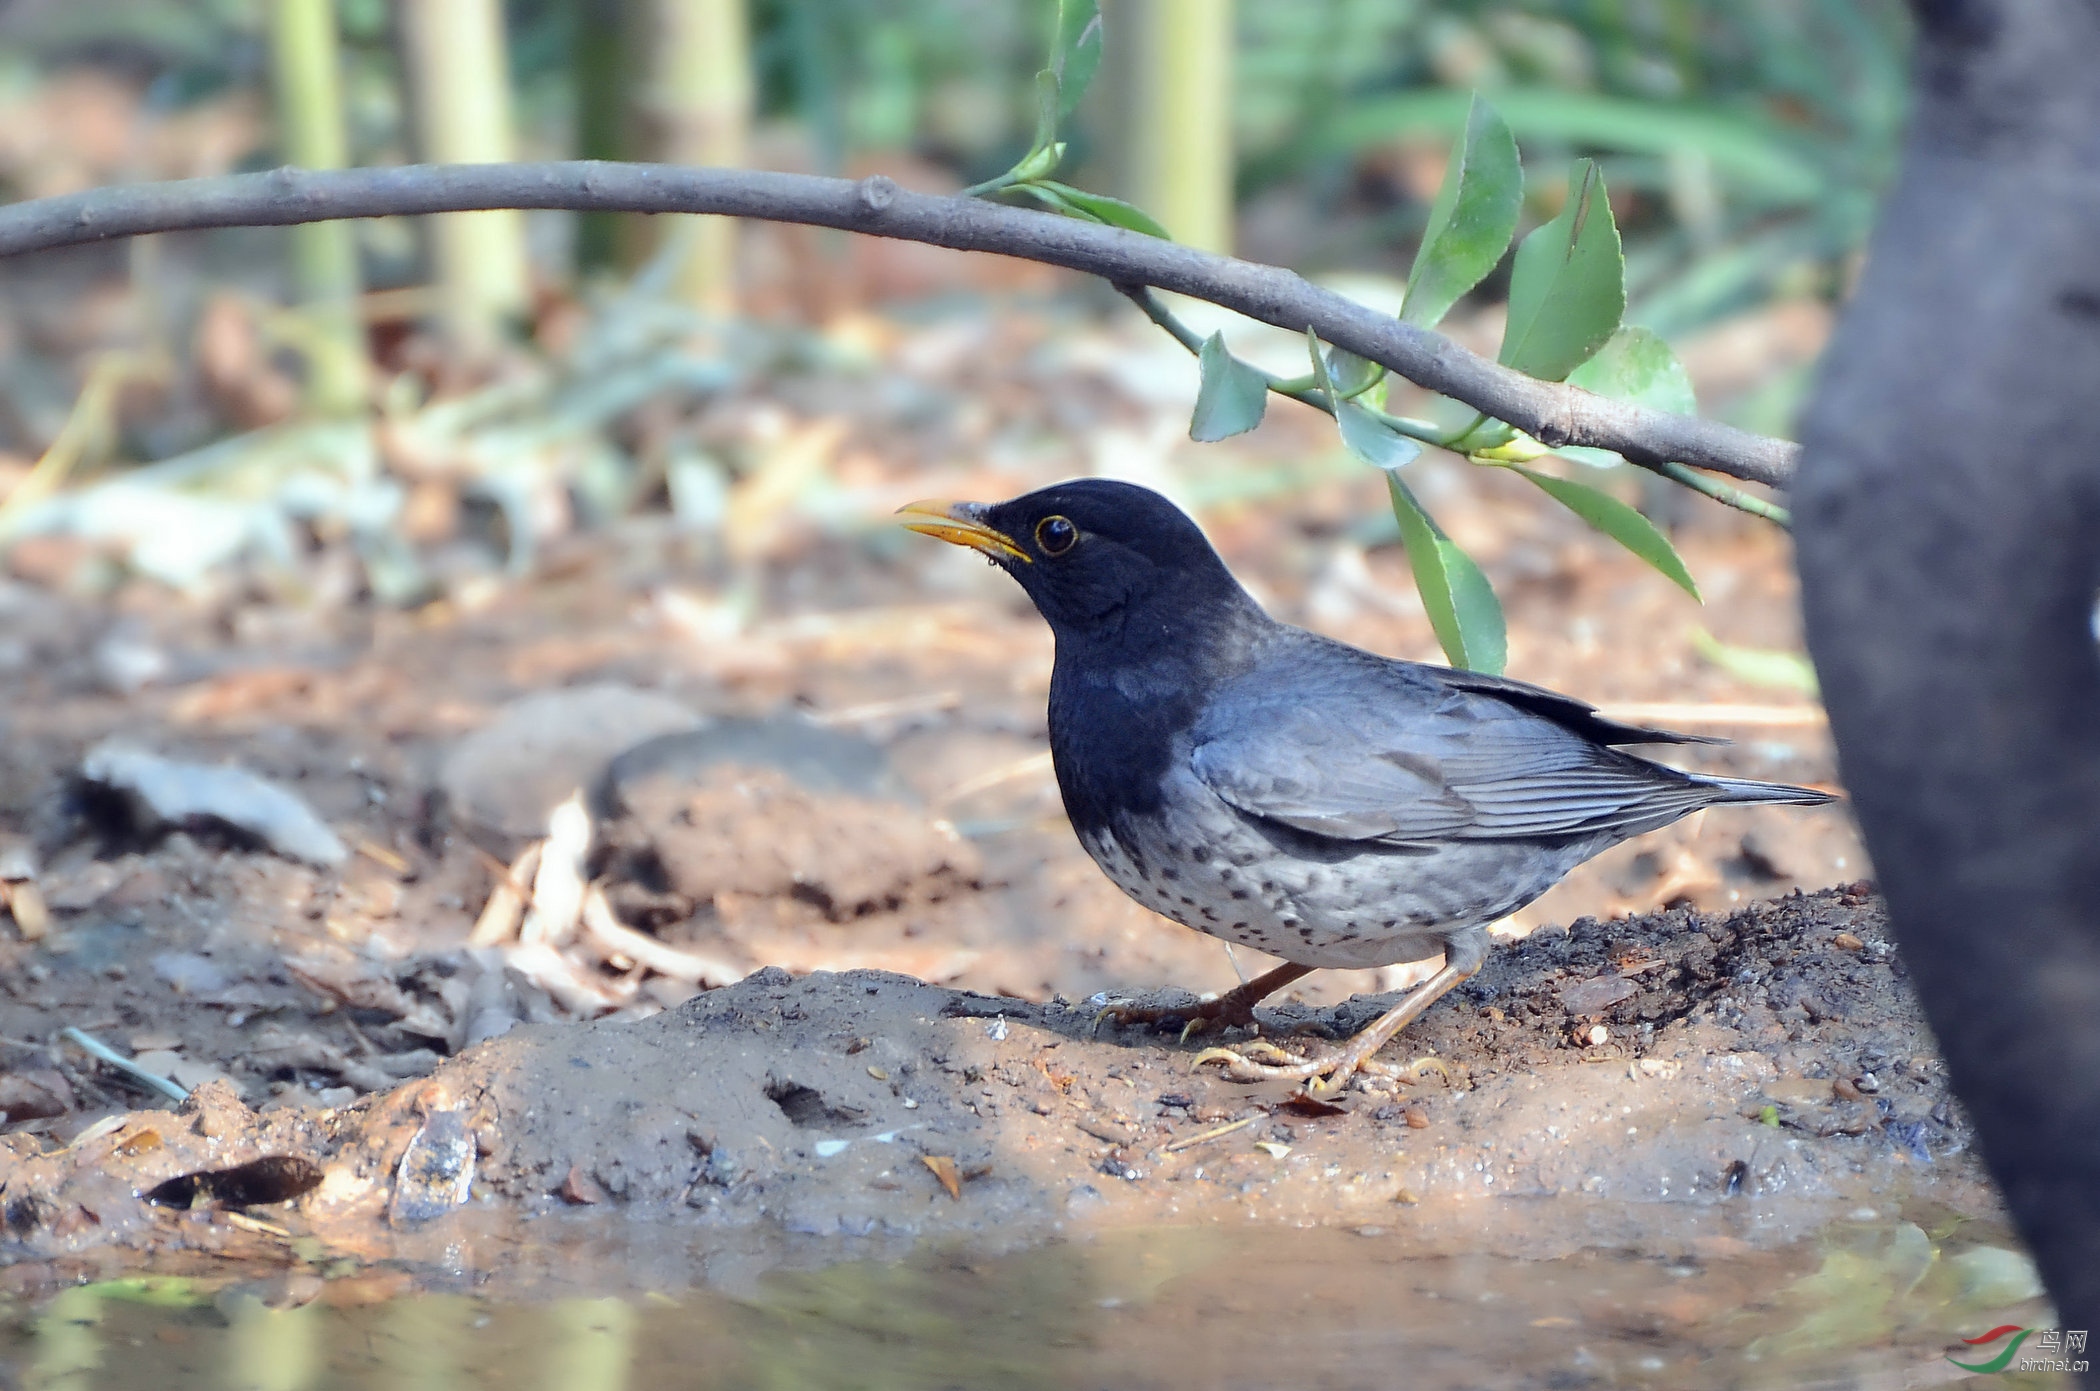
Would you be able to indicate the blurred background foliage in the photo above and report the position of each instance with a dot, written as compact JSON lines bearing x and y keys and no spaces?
{"x":1744,"y":145}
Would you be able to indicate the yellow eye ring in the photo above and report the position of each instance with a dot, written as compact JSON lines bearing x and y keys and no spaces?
{"x":1056,"y":535}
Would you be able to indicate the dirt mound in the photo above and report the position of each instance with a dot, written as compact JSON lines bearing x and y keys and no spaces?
{"x":1772,"y":1058}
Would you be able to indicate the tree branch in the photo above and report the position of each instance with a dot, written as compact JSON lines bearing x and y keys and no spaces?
{"x":1553,"y":413}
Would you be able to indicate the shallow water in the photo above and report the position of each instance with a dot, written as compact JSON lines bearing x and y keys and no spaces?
{"x":1864,"y":1303}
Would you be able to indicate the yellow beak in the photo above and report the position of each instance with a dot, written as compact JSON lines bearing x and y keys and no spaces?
{"x":958,"y":524}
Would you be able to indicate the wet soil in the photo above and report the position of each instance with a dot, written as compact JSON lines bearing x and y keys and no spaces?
{"x":1679,"y":1150}
{"x":1771,"y":1060}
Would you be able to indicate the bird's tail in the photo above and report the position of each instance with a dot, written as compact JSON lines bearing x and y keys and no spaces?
{"x":1747,"y":791}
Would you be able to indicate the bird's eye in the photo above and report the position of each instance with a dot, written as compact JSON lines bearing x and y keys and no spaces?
{"x":1055,"y":535}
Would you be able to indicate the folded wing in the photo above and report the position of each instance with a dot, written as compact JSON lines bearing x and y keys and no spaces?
{"x":1369,"y":754}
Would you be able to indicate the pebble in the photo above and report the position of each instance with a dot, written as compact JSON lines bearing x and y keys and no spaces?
{"x":164,"y":794}
{"x":504,"y":778}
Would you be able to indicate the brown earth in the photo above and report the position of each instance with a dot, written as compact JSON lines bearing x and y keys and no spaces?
{"x":1770,"y":1062}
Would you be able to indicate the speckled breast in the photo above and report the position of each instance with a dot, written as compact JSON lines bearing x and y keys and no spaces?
{"x":1312,"y":899}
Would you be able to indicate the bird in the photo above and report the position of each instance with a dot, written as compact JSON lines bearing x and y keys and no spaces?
{"x":1288,"y":792}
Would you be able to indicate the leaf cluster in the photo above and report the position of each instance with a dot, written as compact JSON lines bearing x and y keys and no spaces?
{"x":1567,"y":295}
{"x":1075,"y":56}
{"x":1567,"y":300}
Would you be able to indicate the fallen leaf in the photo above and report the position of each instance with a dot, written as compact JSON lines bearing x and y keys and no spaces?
{"x":580,"y":1188}
{"x":944,"y":1169}
{"x":1600,"y":993}
{"x":34,"y":1095}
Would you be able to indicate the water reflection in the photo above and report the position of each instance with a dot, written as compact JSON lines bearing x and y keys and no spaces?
{"x":1864,"y":1304}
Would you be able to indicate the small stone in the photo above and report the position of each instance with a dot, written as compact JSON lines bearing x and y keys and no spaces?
{"x":504,"y":778}
{"x":580,"y":1188}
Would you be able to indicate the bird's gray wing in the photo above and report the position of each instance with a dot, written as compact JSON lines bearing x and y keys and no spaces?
{"x":1414,"y":761}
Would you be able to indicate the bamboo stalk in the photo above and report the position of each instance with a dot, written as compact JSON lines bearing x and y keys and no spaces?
{"x":693,"y":106}
{"x":459,"y":72}
{"x":306,"y":72}
{"x":1182,"y":104}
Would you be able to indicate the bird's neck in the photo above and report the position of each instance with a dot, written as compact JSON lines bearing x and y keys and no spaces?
{"x":1121,"y":694}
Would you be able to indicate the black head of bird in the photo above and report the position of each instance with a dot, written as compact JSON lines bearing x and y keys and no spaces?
{"x":1098,"y":557}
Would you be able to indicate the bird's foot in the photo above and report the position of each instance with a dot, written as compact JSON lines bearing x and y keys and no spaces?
{"x":1326,"y":1074}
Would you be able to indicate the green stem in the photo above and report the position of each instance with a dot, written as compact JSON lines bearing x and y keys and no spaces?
{"x":1723,"y":493}
{"x":989,"y":186}
{"x":306,"y":67}
{"x":89,"y":1044}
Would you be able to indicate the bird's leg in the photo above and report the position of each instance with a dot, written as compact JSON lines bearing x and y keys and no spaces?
{"x":1326,"y":1074}
{"x":1235,"y":1006}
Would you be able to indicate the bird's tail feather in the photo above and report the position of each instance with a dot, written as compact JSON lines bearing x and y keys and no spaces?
{"x":1747,"y":790}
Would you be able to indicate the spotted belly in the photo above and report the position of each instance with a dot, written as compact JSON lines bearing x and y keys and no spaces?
{"x":1316,"y":901}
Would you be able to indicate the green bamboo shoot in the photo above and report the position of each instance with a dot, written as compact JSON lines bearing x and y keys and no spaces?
{"x":693,"y":106}
{"x":306,"y":67}
{"x":460,"y":76}
{"x":1182,"y":108}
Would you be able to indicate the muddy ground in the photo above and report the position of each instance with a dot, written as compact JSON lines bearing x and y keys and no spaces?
{"x":804,"y":977}
{"x":807,"y":745}
{"x":1769,"y":1062}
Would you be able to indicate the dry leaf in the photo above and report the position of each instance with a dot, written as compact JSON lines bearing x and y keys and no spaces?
{"x":944,"y":1169}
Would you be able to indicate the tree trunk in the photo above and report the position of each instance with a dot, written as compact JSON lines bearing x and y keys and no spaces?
{"x":306,"y":72}
{"x":460,"y":79}
{"x":1948,"y":514}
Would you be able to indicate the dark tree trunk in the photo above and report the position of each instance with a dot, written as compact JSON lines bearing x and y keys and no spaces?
{"x":1948,"y":513}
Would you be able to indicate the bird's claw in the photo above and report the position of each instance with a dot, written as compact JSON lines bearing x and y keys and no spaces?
{"x":1325,"y":1077}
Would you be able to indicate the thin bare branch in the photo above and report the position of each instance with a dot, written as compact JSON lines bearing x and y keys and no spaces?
{"x":1553,"y":413}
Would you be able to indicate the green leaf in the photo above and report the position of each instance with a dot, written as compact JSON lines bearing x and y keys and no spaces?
{"x":1763,"y":158}
{"x":1050,"y":198}
{"x":1231,"y":399}
{"x":1568,"y":287}
{"x":1047,"y":97}
{"x":1462,"y":605}
{"x":1078,"y":52}
{"x":1618,"y":521}
{"x":1102,"y":208}
{"x":1363,"y":434}
{"x":1372,"y":440}
{"x":1352,"y":375}
{"x":1470,"y":224}
{"x":1787,"y":671}
{"x":1636,"y":365}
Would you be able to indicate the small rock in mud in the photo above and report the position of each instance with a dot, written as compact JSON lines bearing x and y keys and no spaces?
{"x":155,"y":795}
{"x":813,"y":756}
{"x":502,"y":780}
{"x":756,"y":831}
